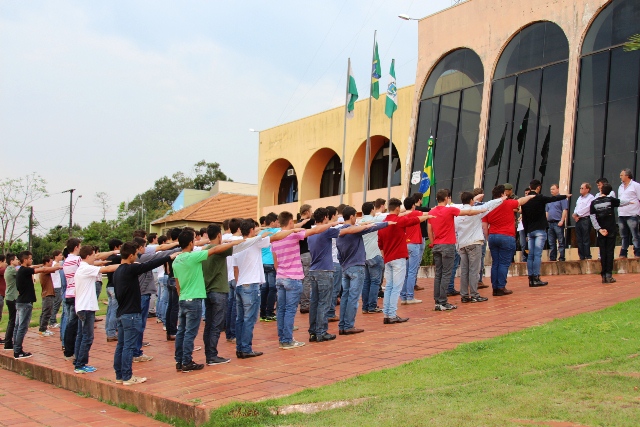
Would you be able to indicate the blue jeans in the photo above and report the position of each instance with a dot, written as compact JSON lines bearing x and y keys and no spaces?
{"x":456,"y":263}
{"x":502,"y":248}
{"x":352,"y":282}
{"x":189,"y":318}
{"x":289,"y":292}
{"x":321,"y":291}
{"x":171,"y":318}
{"x":394,"y":275}
{"x":84,"y":338}
{"x":537,"y":238}
{"x":247,"y":307}
{"x":413,"y":262}
{"x":215,"y":314}
{"x":523,"y":246}
{"x":583,"y":237}
{"x":129,"y":327}
{"x":268,"y":292}
{"x":373,"y":269}
{"x":484,"y":252}
{"x":161,"y":302}
{"x":71,"y":329}
{"x":144,"y":313}
{"x":112,"y":309}
{"x":337,"y":285}
{"x":230,"y":319}
{"x":628,"y":225}
{"x":23,"y":318}
{"x":554,"y":233}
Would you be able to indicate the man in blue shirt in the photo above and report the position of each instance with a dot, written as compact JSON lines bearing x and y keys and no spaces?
{"x":557,"y":217}
{"x":268,"y":291}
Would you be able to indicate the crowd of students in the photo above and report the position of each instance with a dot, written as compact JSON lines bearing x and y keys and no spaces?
{"x":229,"y":277}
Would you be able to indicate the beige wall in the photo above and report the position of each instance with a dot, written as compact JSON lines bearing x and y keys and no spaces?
{"x":486,"y":27}
{"x":162,"y":228}
{"x":309,"y":143}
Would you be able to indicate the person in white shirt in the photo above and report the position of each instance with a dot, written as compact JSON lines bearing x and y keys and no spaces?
{"x":628,"y":215}
{"x":583,"y":222}
{"x":56,"y":278}
{"x":470,"y":241}
{"x":600,"y":182}
{"x":232,"y":226}
{"x":86,"y":305}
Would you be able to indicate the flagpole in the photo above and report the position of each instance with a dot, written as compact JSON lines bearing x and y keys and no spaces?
{"x":344,"y":136}
{"x":368,"y":146}
{"x":390,"y":156}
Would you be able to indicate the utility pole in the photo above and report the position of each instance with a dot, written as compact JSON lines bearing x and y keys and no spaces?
{"x":70,"y":208}
{"x":30,"y":228}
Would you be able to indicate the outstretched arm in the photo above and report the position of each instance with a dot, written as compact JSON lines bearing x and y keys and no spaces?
{"x":319,"y":229}
{"x":223,"y":247}
{"x":47,"y":269}
{"x":471,"y":212}
{"x":284,"y":233}
{"x":525,"y":199}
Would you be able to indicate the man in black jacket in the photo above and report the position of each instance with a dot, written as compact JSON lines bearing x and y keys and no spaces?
{"x":535,"y":223}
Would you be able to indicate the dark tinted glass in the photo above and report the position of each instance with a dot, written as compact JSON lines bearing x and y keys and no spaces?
{"x":587,"y":155}
{"x":593,"y":79}
{"x":467,"y":146}
{"x":613,"y":26}
{"x":620,"y":143}
{"x":444,"y":149}
{"x":330,"y":183}
{"x":380,"y":168}
{"x":554,"y":94}
{"x":458,"y":70}
{"x":549,"y":148}
{"x":499,"y":139}
{"x":625,"y":68}
{"x":427,"y":121}
{"x":288,"y":191}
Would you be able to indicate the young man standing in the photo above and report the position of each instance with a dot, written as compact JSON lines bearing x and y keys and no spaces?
{"x":392,"y":241}
{"x":187,"y":269}
{"x":415,"y":248}
{"x":171,"y":317}
{"x":56,"y":278}
{"x":581,"y":217}
{"x":48,"y":297}
{"x":352,"y":255}
{"x":373,"y":264}
{"x":557,"y":219}
{"x":112,"y":308}
{"x":443,"y":243}
{"x":306,"y":222}
{"x":10,"y":298}
{"x":24,"y":301}
{"x":233,"y":227}
{"x":628,"y":216}
{"x":268,"y":292}
{"x":86,"y":305}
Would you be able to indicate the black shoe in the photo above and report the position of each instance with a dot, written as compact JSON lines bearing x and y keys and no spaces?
{"x":192,"y":366}
{"x":238,"y":353}
{"x":502,"y":292}
{"x":304,"y":310}
{"x":326,"y":337}
{"x":341,"y":332}
{"x":2,"y":341}
{"x":541,"y":281}
{"x":453,"y":293}
{"x":313,"y":338}
{"x":465,"y":300}
{"x":217,"y":361}
{"x":9,"y":346}
{"x":23,"y":355}
{"x":392,"y":320}
{"x":249,"y":355}
{"x":179,"y":367}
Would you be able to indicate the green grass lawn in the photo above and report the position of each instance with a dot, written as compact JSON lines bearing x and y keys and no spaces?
{"x":584,"y":370}
{"x":37,"y":307}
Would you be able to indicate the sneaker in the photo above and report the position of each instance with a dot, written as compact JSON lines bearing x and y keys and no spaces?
{"x":134,"y":380}
{"x":466,"y":299}
{"x":218,"y":361}
{"x":118,"y":381}
{"x":112,"y":339}
{"x":295,"y":328}
{"x":145,"y":344}
{"x":8,"y":347}
{"x":271,"y":319}
{"x":445,"y":307}
{"x":164,"y":328}
{"x":292,"y":344}
{"x":376,"y":310}
{"x":85,"y":370}
{"x":143,"y":358}
{"x":480,"y":299}
{"x":179,"y":367}
{"x":23,"y":355}
{"x":90,"y":368}
{"x":192,"y":366}
{"x":413,"y":301}
{"x":55,"y":326}
{"x":46,"y":334}
{"x":197,"y":348}
{"x":231,"y":340}
{"x":71,"y":359}
{"x":453,"y":293}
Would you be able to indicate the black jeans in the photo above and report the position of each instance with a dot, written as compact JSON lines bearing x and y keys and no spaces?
{"x":71,"y":331}
{"x":268,"y":292}
{"x":8,"y":337}
{"x":607,"y":245}
{"x":215,"y":306}
{"x":583,"y":237}
{"x":172,"y":308}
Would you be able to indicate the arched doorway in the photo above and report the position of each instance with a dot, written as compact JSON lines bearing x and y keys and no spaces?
{"x":450,"y":112}
{"x":526,"y":120}
{"x":288,"y":190}
{"x":330,"y":181}
{"x":379,"y":171}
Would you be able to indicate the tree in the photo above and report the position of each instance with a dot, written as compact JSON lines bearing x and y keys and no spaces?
{"x":207,"y":174}
{"x":633,"y":43}
{"x":102,"y":199}
{"x":16,"y":195}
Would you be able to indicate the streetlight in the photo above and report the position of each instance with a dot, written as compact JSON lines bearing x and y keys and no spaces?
{"x":253,"y":130}
{"x":407,"y":17}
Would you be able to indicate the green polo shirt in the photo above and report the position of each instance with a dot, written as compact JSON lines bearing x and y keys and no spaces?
{"x":10,"y":277}
{"x":187,"y":268}
{"x":214,"y":270}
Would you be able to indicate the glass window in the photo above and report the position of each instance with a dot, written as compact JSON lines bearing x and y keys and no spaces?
{"x":593,"y":71}
{"x":459,"y":69}
{"x":625,"y":67}
{"x":288,"y":191}
{"x":613,"y":26}
{"x":380,"y":168}
{"x":330,"y":183}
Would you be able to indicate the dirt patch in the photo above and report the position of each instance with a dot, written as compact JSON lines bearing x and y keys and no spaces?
{"x":550,"y":423}
{"x":584,"y":365}
{"x":312,"y":408}
{"x":624,"y":374}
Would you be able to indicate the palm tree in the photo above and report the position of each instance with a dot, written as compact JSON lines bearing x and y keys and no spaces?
{"x":633,"y":43}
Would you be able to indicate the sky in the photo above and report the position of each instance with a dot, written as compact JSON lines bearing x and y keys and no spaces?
{"x":109,"y":96}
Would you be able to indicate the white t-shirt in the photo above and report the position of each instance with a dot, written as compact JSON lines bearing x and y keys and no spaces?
{"x":228,"y":238}
{"x":56,"y":279}
{"x":85,"y":281}
{"x":249,"y":263}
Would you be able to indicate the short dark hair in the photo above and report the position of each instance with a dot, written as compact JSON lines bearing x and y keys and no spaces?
{"x":379,"y":202}
{"x":497,"y":191}
{"x":140,"y":233}
{"x":213,"y":231}
{"x":606,"y":188}
{"x":534,"y":183}
{"x":114,"y":243}
{"x":263,"y":220}
{"x":152,"y":236}
{"x":331,"y":211}
{"x":340,"y":208}
{"x":270,"y":218}
{"x":46,"y":259}
{"x":185,"y":237}
{"x":2,"y":257}
{"x":409,"y":202}
{"x":162,"y":239}
{"x":394,"y":204}
{"x":140,"y":242}
{"x":234,"y":225}
{"x":87,"y":250}
{"x":477,"y":190}
{"x":305,"y":208}
{"x":72,"y":244}
{"x":10,"y":257}
{"x":197,"y":232}
{"x":284,"y":218}
{"x":246,"y":225}
{"x":348,"y":212}
{"x":320,"y":214}
{"x":602,"y":181}
{"x":367,"y":208}
{"x":628,"y":172}
{"x":175,"y":232}
{"x":56,"y":253}
{"x":442,"y":195}
{"x":127,"y":249}
{"x":225,"y":224}
{"x":466,"y":197}
{"x":418,"y":198}
{"x":24,"y":255}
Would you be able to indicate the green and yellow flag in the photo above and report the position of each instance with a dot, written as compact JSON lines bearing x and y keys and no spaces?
{"x":428,"y":178}
{"x":376,"y":73}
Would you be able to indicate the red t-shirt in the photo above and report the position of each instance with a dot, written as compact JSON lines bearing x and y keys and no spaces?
{"x":443,"y":226}
{"x":501,"y":219}
{"x":413,"y":232}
